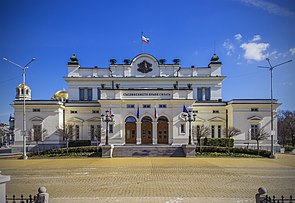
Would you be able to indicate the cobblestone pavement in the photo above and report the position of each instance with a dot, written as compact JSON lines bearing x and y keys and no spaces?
{"x":151,"y":179}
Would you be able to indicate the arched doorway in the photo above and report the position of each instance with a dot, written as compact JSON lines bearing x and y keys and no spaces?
{"x":146,"y":130}
{"x":162,"y":130}
{"x":130,"y":130}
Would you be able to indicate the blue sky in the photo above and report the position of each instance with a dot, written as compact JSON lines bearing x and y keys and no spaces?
{"x":243,"y":32}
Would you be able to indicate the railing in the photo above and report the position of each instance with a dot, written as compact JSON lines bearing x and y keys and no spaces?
{"x":21,"y":199}
{"x":268,"y":199}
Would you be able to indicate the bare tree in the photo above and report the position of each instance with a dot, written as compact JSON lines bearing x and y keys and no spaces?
{"x":67,"y":134}
{"x":230,"y":133}
{"x":260,"y":134}
{"x":201,"y":131}
{"x":286,"y":127}
{"x":38,"y":135}
{"x":3,"y":135}
{"x":96,"y":132}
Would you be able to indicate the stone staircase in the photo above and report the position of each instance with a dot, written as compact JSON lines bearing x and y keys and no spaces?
{"x":148,"y":151}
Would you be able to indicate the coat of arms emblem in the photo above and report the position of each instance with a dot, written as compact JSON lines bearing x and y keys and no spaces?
{"x":144,"y":67}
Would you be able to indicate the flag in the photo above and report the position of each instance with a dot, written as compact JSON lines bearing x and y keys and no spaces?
{"x":110,"y":112}
{"x":145,"y":39}
{"x":156,"y":113}
{"x":184,"y":109}
{"x":137,"y":114}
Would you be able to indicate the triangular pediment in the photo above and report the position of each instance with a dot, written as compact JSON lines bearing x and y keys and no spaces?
{"x":75,"y":119}
{"x":198,"y":119}
{"x":94,"y":119}
{"x":37,"y":118}
{"x":216,"y":119}
{"x":254,"y":118}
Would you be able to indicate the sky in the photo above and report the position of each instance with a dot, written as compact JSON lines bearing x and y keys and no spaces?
{"x":243,"y":33}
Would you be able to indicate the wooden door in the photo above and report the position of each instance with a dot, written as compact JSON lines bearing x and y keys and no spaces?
{"x":146,"y":132}
{"x":162,"y":130}
{"x":130,"y":133}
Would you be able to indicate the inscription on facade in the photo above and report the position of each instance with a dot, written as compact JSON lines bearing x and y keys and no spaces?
{"x":146,"y":94}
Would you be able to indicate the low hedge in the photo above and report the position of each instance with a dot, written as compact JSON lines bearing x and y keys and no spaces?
{"x":289,"y":148}
{"x":73,"y":151}
{"x":79,"y":143}
{"x":262,"y":153}
{"x":219,"y":142}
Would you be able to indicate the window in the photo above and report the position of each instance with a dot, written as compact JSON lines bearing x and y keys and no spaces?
{"x":111,"y":128}
{"x":254,"y":109}
{"x":95,"y":111}
{"x":146,"y":106}
{"x":204,"y":94}
{"x":215,"y":111}
{"x":95,"y":132}
{"x":37,"y":133}
{"x":182,"y":128}
{"x":36,"y":110}
{"x":212,"y":131}
{"x":73,"y":112}
{"x":198,"y":131}
{"x":130,"y":106}
{"x":77,"y":133}
{"x":85,"y":94}
{"x":162,"y":105}
{"x":254,"y":131}
{"x":195,"y":111}
{"x":219,"y":131}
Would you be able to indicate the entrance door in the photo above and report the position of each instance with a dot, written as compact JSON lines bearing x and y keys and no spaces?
{"x":162,"y":130}
{"x":130,"y":130}
{"x":146,"y":130}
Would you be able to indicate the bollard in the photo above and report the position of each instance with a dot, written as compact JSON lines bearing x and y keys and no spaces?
{"x":42,"y":196}
{"x":261,"y":195}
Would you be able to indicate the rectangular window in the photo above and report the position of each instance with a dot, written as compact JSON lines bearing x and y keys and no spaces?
{"x":182,"y":128}
{"x":198,"y":131}
{"x":195,"y":111}
{"x":146,"y":106}
{"x":215,"y":111}
{"x":199,"y":94}
{"x":254,"y":109}
{"x":85,"y":94}
{"x":162,"y":105}
{"x":111,"y":128}
{"x":73,"y":112}
{"x":92,"y":132}
{"x":254,"y":131}
{"x":207,"y":93}
{"x":130,"y":106}
{"x":212,"y":131}
{"x":37,"y":133}
{"x":77,"y":133}
{"x":95,"y":111}
{"x":219,"y":131}
{"x":36,"y":110}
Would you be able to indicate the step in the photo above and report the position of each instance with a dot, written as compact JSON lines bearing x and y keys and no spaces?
{"x":148,"y":151}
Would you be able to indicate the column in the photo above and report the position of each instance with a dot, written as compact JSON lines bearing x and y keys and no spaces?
{"x":138,"y":132}
{"x":170,"y":133}
{"x":155,"y":134}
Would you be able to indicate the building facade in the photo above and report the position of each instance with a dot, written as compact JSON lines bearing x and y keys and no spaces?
{"x":147,"y":98}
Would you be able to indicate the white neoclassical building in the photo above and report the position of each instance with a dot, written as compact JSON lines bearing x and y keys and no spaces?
{"x":147,"y":97}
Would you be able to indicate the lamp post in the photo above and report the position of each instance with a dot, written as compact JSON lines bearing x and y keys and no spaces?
{"x":24,"y":156}
{"x":189,"y":117}
{"x":270,"y":67}
{"x":107,"y":119}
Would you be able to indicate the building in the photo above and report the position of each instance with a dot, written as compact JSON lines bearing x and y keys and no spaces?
{"x":147,"y":98}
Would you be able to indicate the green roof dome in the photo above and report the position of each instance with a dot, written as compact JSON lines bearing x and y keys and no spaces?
{"x":214,"y":58}
{"x":74,"y":58}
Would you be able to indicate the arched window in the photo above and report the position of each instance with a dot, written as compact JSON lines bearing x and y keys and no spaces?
{"x":162,"y":119}
{"x":146,"y":119}
{"x":130,"y":119}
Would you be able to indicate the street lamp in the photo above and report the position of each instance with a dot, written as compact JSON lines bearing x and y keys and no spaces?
{"x":107,"y":119}
{"x":24,"y":102}
{"x":189,"y":117}
{"x":270,"y":67}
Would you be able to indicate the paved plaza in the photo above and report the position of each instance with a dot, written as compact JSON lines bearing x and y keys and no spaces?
{"x":151,"y":179}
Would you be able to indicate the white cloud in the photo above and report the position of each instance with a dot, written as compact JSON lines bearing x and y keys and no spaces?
{"x":256,"y":38}
{"x":238,"y":36}
{"x":269,"y":7}
{"x":292,"y":50}
{"x":255,"y":51}
{"x":229,"y":47}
